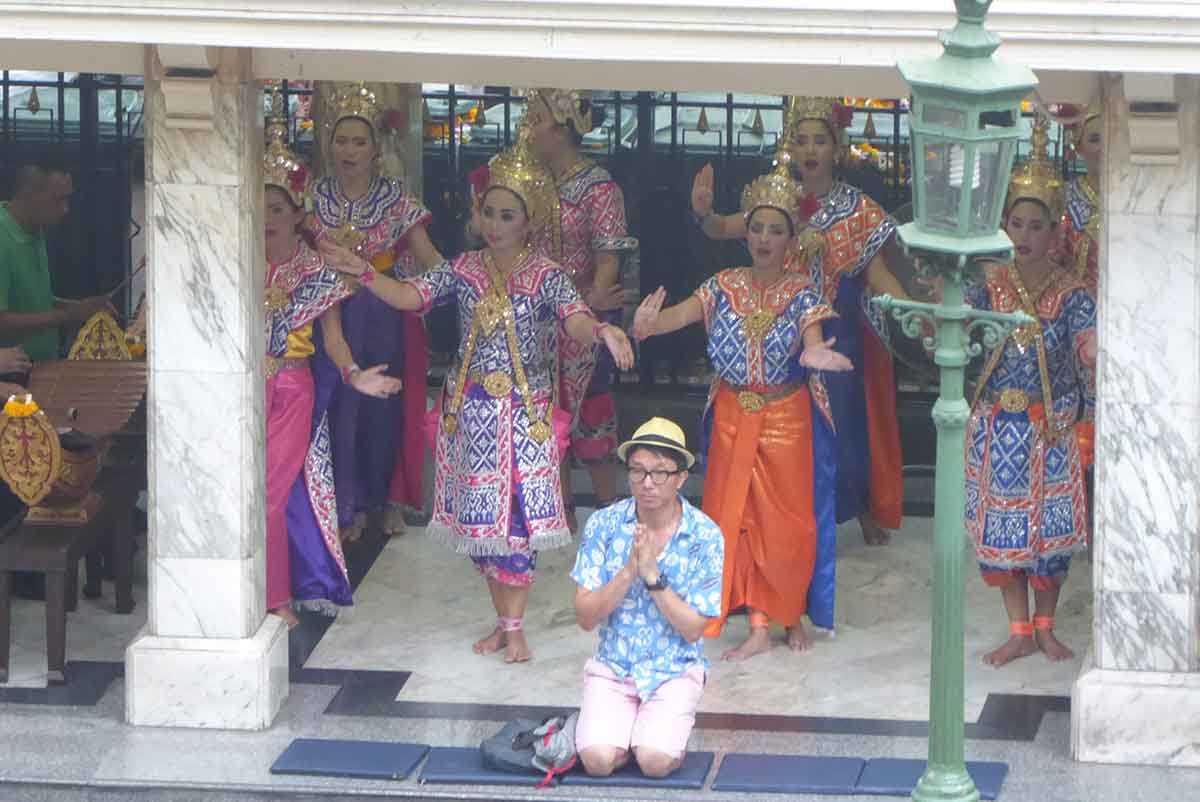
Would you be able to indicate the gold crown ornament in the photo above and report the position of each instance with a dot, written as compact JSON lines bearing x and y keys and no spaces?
{"x":775,"y":190}
{"x":564,"y":105}
{"x":357,"y":101}
{"x":829,"y":110}
{"x":1037,"y":178}
{"x":281,"y":167}
{"x":1090,"y":113}
{"x":518,"y":170}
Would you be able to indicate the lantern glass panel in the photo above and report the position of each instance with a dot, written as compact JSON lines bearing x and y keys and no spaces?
{"x":942,"y":185}
{"x":943,"y":116}
{"x":992,"y":161}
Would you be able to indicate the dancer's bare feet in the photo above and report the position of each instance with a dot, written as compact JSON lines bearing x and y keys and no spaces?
{"x":873,"y":533}
{"x":797,"y":638}
{"x":757,"y":642}
{"x":518,"y":650}
{"x":353,"y":531}
{"x":288,"y":615}
{"x":492,"y":643}
{"x":394,"y":524}
{"x":1054,"y":649}
{"x":1015,"y":647}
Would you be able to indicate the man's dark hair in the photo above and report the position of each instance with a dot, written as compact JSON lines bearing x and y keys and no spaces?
{"x":659,"y":451}
{"x":34,"y":170}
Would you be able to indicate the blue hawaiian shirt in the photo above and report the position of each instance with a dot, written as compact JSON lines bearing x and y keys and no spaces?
{"x":637,"y":640}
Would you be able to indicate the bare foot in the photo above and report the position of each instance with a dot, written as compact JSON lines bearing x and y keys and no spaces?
{"x":797,"y":638}
{"x":353,"y":531}
{"x":518,"y":648}
{"x":1052,"y":647}
{"x":1015,"y":647}
{"x":757,"y":642}
{"x":288,"y":615}
{"x":492,"y":643}
{"x":394,"y":524}
{"x":873,"y":533}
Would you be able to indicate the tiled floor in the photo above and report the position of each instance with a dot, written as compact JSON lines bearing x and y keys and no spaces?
{"x":420,"y":608}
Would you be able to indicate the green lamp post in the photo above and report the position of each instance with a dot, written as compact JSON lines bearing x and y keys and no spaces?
{"x":963,"y":125}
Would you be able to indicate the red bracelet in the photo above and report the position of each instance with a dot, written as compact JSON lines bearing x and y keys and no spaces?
{"x":367,"y":276}
{"x":348,"y":372}
{"x":597,"y":329}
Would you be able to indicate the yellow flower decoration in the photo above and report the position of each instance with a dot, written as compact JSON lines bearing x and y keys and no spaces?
{"x":16,"y":408}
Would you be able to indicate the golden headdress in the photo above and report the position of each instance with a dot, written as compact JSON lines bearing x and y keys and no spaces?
{"x":565,"y":105}
{"x":357,"y":101}
{"x":776,"y":190}
{"x":1086,"y":116}
{"x":1037,"y":178}
{"x":828,"y":110}
{"x":518,"y":170}
{"x":281,"y":167}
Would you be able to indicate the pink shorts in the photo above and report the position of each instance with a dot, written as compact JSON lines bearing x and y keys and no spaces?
{"x":613,"y":715}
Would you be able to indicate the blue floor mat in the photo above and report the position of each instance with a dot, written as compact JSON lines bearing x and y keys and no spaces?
{"x":889,"y":776}
{"x":372,"y":760}
{"x":788,"y":774}
{"x":689,"y":777}
{"x":463,"y":765}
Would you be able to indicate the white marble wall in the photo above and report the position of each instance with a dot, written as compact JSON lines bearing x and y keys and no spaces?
{"x":206,"y":426}
{"x":1147,"y":542}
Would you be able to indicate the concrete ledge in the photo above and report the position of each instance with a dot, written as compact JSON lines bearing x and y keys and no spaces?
{"x":223,"y":683}
{"x":1142,"y":717}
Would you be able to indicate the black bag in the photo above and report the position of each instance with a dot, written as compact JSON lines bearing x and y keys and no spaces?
{"x":525,"y":746}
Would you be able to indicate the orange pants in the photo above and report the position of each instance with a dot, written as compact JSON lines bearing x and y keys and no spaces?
{"x":759,"y":491}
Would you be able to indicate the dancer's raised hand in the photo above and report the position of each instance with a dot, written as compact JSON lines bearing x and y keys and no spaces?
{"x":646,"y":316}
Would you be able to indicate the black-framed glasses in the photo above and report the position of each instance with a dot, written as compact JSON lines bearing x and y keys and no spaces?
{"x":657,"y":476}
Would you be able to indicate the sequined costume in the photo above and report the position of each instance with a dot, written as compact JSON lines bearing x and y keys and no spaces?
{"x":1026,"y":509}
{"x":378,"y":448}
{"x":591,"y":220}
{"x":769,"y":482}
{"x":1082,"y":232}
{"x":304,"y":553}
{"x":854,"y":229}
{"x":492,"y":471}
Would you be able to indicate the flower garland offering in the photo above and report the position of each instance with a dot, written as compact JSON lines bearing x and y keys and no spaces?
{"x":16,"y":408}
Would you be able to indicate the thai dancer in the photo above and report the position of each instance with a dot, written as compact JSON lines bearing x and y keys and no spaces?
{"x":586,"y":235}
{"x":304,"y":554}
{"x":840,"y":241}
{"x":770,"y":452}
{"x":500,"y":435}
{"x":378,"y":447}
{"x":1026,"y":511}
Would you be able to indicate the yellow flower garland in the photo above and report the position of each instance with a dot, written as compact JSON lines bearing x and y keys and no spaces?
{"x":15,"y":408}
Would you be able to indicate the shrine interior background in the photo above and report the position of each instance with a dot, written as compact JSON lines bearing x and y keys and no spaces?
{"x":654,"y":143}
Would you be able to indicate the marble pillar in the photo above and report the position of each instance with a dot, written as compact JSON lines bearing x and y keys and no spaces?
{"x":1137,"y":698}
{"x":209,"y":655}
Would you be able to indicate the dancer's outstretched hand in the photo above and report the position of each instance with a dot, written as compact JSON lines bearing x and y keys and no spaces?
{"x":646,"y":316}
{"x":823,"y":357}
{"x":618,"y":345}
{"x":702,"y":192}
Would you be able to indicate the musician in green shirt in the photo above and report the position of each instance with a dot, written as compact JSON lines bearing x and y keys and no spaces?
{"x":29,"y":313}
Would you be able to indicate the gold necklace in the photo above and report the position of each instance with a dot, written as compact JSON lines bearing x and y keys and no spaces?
{"x":493,"y":309}
{"x":760,"y":320}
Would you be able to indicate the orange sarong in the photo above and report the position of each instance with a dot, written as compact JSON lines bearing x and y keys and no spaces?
{"x":886,"y":495}
{"x":759,"y":491}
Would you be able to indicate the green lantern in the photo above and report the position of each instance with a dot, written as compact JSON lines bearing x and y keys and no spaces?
{"x":963,"y":126}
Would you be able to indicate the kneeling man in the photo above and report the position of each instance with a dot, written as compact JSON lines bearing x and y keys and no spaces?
{"x":649,"y":573}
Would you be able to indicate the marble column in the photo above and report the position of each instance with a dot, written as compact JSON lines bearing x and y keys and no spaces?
{"x":209,"y":656}
{"x":1137,"y":698}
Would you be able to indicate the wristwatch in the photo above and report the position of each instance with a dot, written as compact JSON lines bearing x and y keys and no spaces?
{"x":660,"y":584}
